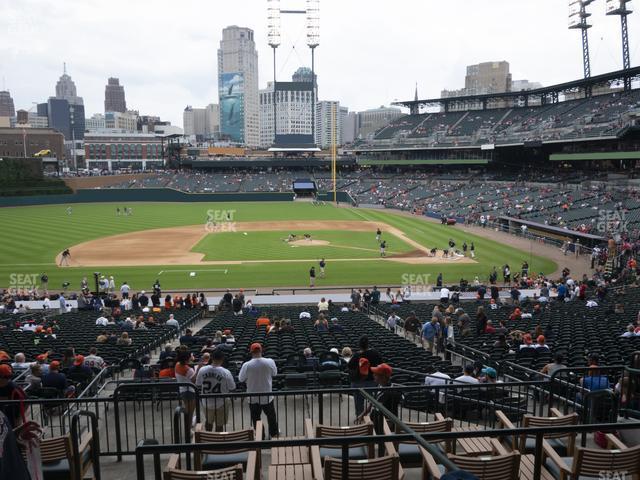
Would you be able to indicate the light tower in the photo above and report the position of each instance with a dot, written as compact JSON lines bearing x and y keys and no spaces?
{"x":578,"y":20}
{"x":313,"y":40}
{"x":274,"y":27}
{"x":619,"y":7}
{"x":274,"y":38}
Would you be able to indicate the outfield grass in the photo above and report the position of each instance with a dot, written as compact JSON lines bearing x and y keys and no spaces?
{"x":33,"y":236}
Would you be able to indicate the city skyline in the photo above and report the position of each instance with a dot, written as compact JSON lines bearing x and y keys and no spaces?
{"x":388,"y":51}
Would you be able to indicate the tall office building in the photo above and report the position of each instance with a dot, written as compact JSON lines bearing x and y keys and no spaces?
{"x":372,"y":120}
{"x":212,"y":121}
{"x":194,"y":121}
{"x":65,"y":111}
{"x":114,"y":100}
{"x":66,"y":89}
{"x":238,"y":87}
{"x":7,"y":108}
{"x":294,"y":106}
{"x":328,"y":123}
{"x":483,"y":78}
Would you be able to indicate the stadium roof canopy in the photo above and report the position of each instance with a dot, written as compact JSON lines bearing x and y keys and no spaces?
{"x":543,"y":95}
{"x":446,"y":161}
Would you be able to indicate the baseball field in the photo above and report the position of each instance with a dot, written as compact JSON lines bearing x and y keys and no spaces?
{"x":214,"y":245}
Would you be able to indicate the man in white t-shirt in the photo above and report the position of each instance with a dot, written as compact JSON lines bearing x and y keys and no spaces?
{"x":102,"y":321}
{"x":211,"y":379}
{"x":304,"y":315}
{"x":258,"y":375}
{"x":444,"y":294}
{"x":467,"y":376}
{"x":124,"y":290}
{"x":437,"y":379}
{"x":93,"y":360}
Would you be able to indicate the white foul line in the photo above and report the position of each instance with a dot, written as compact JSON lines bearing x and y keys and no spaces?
{"x":225,"y":270}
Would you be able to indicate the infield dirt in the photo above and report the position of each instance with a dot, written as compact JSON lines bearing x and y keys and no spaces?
{"x":172,"y":246}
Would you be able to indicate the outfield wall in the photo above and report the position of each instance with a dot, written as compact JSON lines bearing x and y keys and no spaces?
{"x":157,"y":195}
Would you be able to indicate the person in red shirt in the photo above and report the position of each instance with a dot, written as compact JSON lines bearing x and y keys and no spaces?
{"x":263,"y":322}
{"x":489,"y":328}
{"x":582,"y":291}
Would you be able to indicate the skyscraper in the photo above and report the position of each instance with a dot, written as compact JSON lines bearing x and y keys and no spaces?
{"x":238,"y":86}
{"x":7,"y":108}
{"x":65,"y":111}
{"x":66,"y":89}
{"x":114,"y":100}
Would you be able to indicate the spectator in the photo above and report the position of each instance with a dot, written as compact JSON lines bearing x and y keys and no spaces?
{"x":359,"y":368}
{"x":167,"y":352}
{"x":185,"y":373}
{"x":501,"y":343}
{"x":392,"y":322}
{"x":20,"y":364}
{"x":34,"y":379}
{"x":541,"y":344}
{"x":236,"y":305}
{"x":595,"y":379}
{"x":172,"y":322}
{"x":335,"y":326}
{"x":389,"y":398}
{"x":438,"y":379}
{"x":310,"y":360}
{"x":411,"y":325}
{"x":321,"y":324}
{"x":258,"y":375}
{"x":323,"y":305}
{"x":102,"y":338}
{"x":489,"y":328}
{"x":215,"y":379}
{"x":527,"y":342}
{"x":124,"y":340}
{"x":102,"y":321}
{"x":263,"y":321}
{"x":557,"y":364}
{"x":489,"y":375}
{"x":464,"y":322}
{"x":93,"y":360}
{"x":346,"y":355}
{"x":188,"y":338}
{"x":430,"y":334}
{"x":10,"y":391}
{"x":55,"y":379}
{"x":481,"y":320}
{"x":79,"y":368}
{"x":630,"y":332}
{"x":467,"y":376}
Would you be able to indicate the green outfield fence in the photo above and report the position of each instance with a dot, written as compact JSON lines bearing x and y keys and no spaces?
{"x":159,"y":195}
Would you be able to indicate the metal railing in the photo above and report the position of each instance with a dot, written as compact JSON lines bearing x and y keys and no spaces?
{"x":423,"y":440}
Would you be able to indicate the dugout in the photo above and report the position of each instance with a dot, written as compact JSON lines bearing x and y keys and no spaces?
{"x":304,"y":187}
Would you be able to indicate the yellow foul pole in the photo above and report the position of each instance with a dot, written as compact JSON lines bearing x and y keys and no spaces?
{"x":333,"y":151}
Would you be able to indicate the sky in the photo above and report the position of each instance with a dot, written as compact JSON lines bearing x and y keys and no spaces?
{"x":371,"y":52}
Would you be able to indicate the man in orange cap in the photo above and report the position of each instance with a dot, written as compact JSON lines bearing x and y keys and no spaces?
{"x":258,"y":375}
{"x":387,"y":396}
{"x":79,"y":368}
{"x":9,"y":391}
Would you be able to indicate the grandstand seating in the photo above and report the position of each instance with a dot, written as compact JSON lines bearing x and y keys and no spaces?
{"x":596,"y":116}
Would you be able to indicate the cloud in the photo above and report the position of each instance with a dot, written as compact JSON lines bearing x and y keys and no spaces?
{"x":371,"y":52}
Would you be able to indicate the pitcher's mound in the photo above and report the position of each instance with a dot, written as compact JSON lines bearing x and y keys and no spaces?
{"x":309,"y":243}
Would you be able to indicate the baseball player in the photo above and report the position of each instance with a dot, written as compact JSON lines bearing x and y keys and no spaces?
{"x":312,"y":277}
{"x":322,"y":264}
{"x":378,"y":235}
{"x":66,"y":255}
{"x":383,"y":247}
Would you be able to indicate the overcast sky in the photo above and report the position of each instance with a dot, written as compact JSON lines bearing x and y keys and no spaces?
{"x":371,"y":51}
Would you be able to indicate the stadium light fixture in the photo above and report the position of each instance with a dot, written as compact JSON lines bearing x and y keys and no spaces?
{"x":578,"y":16}
{"x":620,"y":7}
{"x":313,"y":23}
{"x":274,"y":24}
